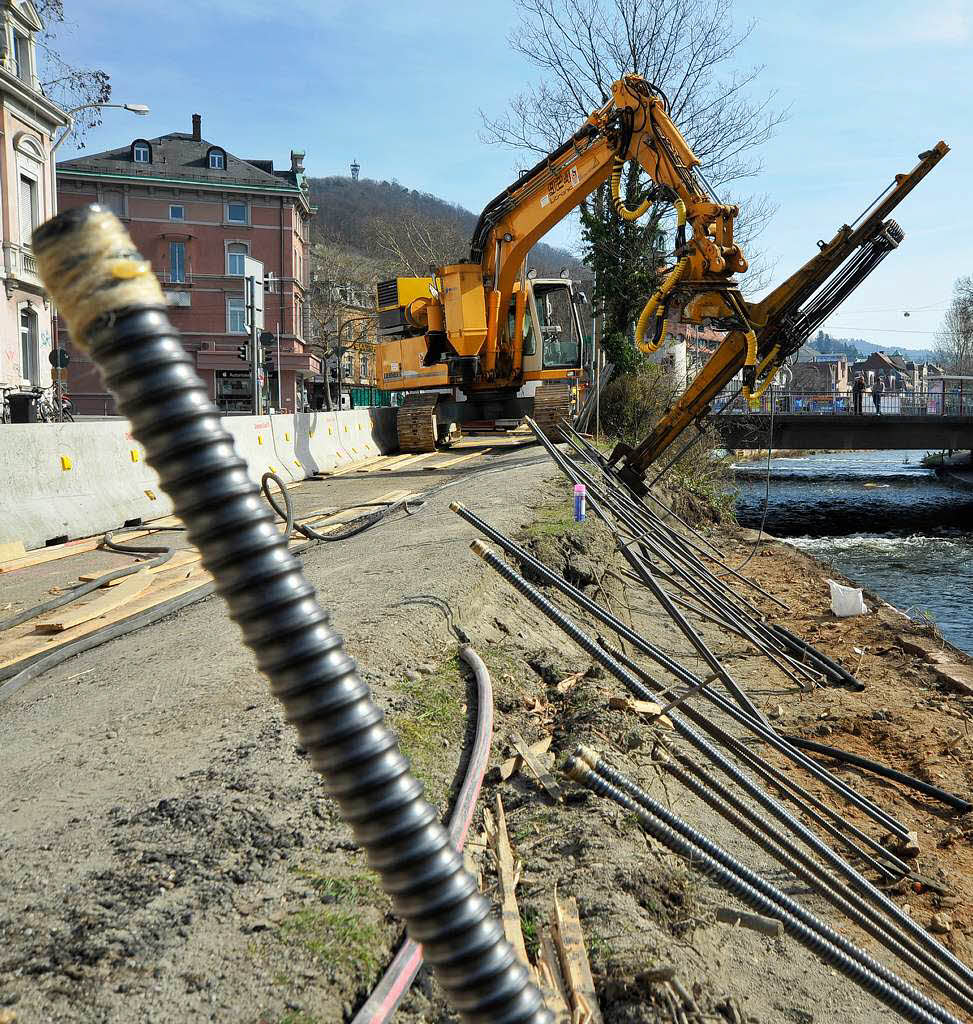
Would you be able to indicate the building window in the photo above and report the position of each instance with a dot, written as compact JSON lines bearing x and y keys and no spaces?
{"x":21,"y":57}
{"x":236,"y":252}
{"x":177,"y":262}
{"x":114,"y":201}
{"x":364,"y":368}
{"x":28,"y":208}
{"x":28,"y":344}
{"x":347,"y":367}
{"x":217,"y":160}
{"x":236,"y":213}
{"x":177,"y":213}
{"x":141,"y":153}
{"x":236,"y":315}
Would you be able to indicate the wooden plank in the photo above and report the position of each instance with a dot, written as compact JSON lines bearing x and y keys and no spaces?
{"x":352,"y":467}
{"x":550,"y":980}
{"x":513,"y":764}
{"x":75,"y":614}
{"x":26,"y":643}
{"x":508,"y":874}
{"x":408,"y":461}
{"x":11,"y":550}
{"x":566,"y":928}
{"x":462,"y":458}
{"x":178,"y":560}
{"x":355,"y":511}
{"x":544,"y":777}
{"x":84,"y":544}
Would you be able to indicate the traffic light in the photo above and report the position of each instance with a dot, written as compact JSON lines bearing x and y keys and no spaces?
{"x":243,"y":352}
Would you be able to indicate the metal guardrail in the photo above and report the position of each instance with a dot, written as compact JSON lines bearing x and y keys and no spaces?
{"x":955,"y":402}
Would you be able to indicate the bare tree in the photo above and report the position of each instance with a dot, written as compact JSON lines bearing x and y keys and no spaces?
{"x":414,"y":244}
{"x":688,"y":49}
{"x":954,"y":339}
{"x":67,"y":85}
{"x":341,"y":301}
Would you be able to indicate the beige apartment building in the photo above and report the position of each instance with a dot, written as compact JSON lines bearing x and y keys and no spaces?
{"x":28,"y":123}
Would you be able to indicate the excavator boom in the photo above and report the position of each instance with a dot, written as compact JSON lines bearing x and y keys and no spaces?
{"x":785,"y":318}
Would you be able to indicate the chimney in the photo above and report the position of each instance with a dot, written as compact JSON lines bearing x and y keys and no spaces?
{"x":297,"y":161}
{"x":197,"y":128}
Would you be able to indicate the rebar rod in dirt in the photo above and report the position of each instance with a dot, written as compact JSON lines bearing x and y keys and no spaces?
{"x":622,"y":492}
{"x":578,"y":474}
{"x":808,"y":803}
{"x":595,"y":457}
{"x":756,"y":725}
{"x":713,"y":861}
{"x":656,"y":654}
{"x":775,"y":842}
{"x":854,"y":877}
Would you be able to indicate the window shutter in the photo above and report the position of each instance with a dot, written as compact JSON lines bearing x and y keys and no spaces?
{"x":26,"y":210}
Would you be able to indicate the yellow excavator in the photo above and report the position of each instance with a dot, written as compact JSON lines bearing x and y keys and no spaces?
{"x":483,"y":340}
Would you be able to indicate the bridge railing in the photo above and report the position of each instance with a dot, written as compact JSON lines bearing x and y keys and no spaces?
{"x":955,"y":402}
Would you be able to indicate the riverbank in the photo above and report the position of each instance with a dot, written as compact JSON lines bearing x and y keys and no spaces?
{"x":166,"y":853}
{"x":882,"y":519}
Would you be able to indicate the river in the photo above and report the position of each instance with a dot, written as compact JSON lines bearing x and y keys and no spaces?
{"x":881,"y":519}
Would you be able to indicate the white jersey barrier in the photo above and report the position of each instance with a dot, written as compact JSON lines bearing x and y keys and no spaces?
{"x":61,"y":481}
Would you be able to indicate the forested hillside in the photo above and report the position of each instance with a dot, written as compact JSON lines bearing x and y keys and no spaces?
{"x":403,"y":230}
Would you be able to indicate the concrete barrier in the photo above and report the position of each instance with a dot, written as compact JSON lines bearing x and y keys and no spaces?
{"x":282,"y":427}
{"x":62,"y":481}
{"x":69,"y":480}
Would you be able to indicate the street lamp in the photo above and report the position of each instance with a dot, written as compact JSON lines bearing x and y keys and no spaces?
{"x":135,"y":108}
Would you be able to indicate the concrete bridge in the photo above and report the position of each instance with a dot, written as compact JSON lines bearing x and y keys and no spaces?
{"x":918,"y":422}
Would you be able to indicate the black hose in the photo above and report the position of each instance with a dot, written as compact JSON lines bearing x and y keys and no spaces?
{"x":394,"y":984}
{"x":164,"y":554}
{"x":877,"y":768}
{"x":145,"y":366}
{"x":803,"y":647}
{"x":352,"y":529}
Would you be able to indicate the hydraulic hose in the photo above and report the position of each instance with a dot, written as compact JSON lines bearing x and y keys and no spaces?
{"x":652,"y":305}
{"x":163,"y":554}
{"x":115,"y":309}
{"x":618,"y":165}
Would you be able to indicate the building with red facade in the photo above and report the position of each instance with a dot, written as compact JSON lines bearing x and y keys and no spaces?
{"x":196,"y":210}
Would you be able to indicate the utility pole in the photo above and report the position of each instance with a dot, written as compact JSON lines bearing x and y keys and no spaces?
{"x":253,"y":291}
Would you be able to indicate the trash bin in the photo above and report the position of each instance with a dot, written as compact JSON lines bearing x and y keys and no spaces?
{"x":23,"y":407}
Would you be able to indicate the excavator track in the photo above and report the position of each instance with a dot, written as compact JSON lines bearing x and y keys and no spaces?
{"x":416,"y":423}
{"x":552,"y":403}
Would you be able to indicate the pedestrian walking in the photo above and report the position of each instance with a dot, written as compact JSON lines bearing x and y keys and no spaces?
{"x":877,"y":389}
{"x":858,"y":392}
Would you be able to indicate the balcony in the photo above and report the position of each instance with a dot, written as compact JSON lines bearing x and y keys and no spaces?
{"x":167,"y":277}
{"x":20,"y":268}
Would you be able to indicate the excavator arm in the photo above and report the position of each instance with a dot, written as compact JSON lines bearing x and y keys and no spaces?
{"x":784,"y":319}
{"x":632,"y":125}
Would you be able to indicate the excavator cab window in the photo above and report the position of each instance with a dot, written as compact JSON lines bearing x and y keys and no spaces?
{"x":558,"y":326}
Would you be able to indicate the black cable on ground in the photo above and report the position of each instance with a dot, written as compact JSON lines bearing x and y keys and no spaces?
{"x":114,"y":308}
{"x":944,"y":796}
{"x":398,"y":977}
{"x":714,"y":862}
{"x":23,"y":672}
{"x":163,"y":553}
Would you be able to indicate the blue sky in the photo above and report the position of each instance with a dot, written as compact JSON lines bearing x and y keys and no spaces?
{"x":399,"y":87}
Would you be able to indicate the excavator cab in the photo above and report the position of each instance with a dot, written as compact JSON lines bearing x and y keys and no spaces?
{"x":552,"y":316}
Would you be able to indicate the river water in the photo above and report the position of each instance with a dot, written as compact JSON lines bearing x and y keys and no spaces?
{"x":880,"y":519}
